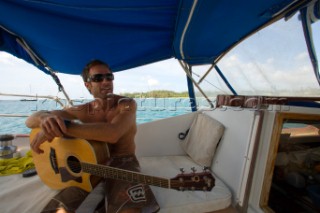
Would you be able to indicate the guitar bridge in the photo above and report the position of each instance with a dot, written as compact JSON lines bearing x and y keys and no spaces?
{"x":66,"y":176}
{"x":53,"y":160}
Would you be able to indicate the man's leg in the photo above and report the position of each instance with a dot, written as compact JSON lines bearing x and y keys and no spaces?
{"x":66,"y":200}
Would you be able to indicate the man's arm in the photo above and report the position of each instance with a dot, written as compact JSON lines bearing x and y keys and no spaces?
{"x":51,"y":122}
{"x":35,"y":120}
{"x":109,"y":132}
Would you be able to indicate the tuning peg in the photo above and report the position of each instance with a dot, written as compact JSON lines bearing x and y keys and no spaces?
{"x":193,"y":170}
{"x":205,"y":168}
{"x":207,"y":180}
{"x":182,"y":170}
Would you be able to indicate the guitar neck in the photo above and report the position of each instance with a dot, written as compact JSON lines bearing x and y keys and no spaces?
{"x":125,"y":175}
{"x":58,"y":169}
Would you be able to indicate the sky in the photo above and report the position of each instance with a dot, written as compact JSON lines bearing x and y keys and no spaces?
{"x":19,"y":77}
{"x":265,"y":73}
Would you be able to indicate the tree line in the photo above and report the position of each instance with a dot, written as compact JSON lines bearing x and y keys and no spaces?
{"x":156,"y":94}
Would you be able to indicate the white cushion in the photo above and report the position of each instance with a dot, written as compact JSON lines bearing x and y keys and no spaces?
{"x":202,"y":139}
{"x":171,"y":200}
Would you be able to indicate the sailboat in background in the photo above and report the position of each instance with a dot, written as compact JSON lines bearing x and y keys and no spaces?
{"x":32,"y":97}
{"x":28,"y":99}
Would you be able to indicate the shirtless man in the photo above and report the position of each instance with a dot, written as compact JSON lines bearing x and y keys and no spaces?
{"x":108,"y":119}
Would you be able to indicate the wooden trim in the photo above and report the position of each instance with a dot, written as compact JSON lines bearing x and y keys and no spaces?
{"x":276,"y":132}
{"x":259,"y":102}
{"x":273,"y":150}
{"x":244,"y":207}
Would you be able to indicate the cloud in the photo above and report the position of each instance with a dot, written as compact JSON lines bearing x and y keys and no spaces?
{"x":9,"y":61}
{"x":302,"y":56}
{"x":166,"y":74}
{"x":6,"y":59}
{"x":266,"y":74}
{"x":152,"y":82}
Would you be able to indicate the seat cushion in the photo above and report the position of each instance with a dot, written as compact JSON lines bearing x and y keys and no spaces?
{"x":202,"y":139}
{"x":171,"y":200}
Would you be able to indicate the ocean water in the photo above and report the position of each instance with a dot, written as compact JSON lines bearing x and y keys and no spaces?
{"x":149,"y":109}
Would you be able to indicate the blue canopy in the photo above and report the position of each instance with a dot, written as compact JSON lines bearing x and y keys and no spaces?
{"x":65,"y":35}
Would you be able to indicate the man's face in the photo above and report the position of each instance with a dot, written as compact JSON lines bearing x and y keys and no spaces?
{"x":101,"y":81}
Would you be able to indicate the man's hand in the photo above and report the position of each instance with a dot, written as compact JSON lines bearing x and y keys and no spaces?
{"x":53,"y":126}
{"x":37,"y":141}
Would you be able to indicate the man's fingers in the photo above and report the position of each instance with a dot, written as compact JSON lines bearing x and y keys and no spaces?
{"x":48,"y":131}
{"x":35,"y":146}
{"x":62,"y":126}
{"x":38,"y":150}
{"x":53,"y":127}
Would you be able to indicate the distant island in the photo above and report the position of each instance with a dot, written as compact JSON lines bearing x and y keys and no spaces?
{"x":156,"y":94}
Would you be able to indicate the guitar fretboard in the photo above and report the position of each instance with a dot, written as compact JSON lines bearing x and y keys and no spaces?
{"x":130,"y":176}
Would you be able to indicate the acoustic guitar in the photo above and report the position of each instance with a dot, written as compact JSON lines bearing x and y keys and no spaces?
{"x":78,"y":162}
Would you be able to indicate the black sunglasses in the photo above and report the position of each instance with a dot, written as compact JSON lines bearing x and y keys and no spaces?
{"x":100,"y":77}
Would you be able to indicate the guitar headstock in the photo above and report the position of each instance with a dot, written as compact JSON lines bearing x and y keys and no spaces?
{"x":203,"y":181}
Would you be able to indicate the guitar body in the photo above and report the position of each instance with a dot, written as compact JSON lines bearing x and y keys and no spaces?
{"x":59,"y":166}
{"x":77,"y":162}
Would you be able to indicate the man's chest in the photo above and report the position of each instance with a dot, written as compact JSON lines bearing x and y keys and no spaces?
{"x":99,"y":116}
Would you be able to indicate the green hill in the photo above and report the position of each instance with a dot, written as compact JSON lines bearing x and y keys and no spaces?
{"x":156,"y":94}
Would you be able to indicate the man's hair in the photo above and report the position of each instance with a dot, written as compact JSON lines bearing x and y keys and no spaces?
{"x":85,"y":71}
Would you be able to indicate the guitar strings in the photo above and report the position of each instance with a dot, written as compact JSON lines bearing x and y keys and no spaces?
{"x":115,"y":173}
{"x":130,"y":176}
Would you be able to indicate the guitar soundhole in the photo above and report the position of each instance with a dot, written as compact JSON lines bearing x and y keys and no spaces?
{"x":74,"y":164}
